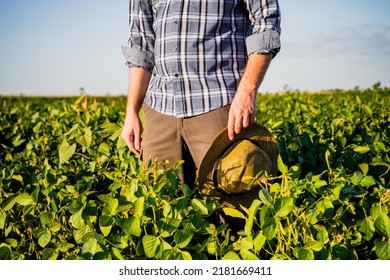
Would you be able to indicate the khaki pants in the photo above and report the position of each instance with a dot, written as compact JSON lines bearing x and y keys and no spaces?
{"x":173,"y":139}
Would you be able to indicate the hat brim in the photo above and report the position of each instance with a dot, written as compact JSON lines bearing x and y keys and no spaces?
{"x":257,"y":134}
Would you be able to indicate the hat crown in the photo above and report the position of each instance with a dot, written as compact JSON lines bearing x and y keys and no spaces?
{"x":228,"y":168}
{"x":237,"y":167}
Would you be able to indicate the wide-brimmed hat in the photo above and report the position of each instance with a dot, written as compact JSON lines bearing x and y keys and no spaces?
{"x":229,"y":167}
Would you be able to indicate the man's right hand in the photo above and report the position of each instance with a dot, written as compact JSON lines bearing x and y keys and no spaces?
{"x":131,"y":132}
{"x":132,"y":128}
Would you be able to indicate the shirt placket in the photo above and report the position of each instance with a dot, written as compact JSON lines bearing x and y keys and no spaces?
{"x":176,"y":69}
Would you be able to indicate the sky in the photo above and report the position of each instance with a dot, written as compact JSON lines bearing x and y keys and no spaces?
{"x":57,"y":47}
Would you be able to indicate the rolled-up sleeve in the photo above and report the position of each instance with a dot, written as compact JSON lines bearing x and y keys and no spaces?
{"x":140,"y":49}
{"x":265,"y":19}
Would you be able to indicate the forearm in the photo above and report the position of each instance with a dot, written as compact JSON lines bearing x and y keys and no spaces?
{"x":243,"y":108}
{"x":138,"y":84}
{"x":254,"y":73}
{"x":132,"y":129}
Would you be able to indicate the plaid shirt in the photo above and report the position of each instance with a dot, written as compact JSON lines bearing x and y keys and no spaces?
{"x":197,"y":49}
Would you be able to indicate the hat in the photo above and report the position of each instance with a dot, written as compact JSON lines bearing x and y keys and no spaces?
{"x":228,"y":167}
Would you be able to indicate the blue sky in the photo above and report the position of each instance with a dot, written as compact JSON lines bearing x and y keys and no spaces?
{"x":55,"y":47}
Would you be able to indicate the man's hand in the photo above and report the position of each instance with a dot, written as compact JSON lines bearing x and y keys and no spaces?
{"x":243,"y":108}
{"x":242,"y":113}
{"x":132,"y":128}
{"x":131,"y":132}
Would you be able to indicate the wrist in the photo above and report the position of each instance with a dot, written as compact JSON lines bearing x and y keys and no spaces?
{"x":248,"y":88}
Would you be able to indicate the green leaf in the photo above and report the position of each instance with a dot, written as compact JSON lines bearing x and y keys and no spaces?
{"x":65,"y":247}
{"x":196,"y":220}
{"x":5,"y":252}
{"x":132,"y":226}
{"x":281,"y":166}
{"x":81,"y":235}
{"x":366,"y":109}
{"x":327,"y":155}
{"x":104,"y":149}
{"x":105,"y":224}
{"x":304,"y":254}
{"x":186,"y":190}
{"x":249,"y":225}
{"x":87,"y":137}
{"x":170,"y":254}
{"x":312,"y":216}
{"x":49,"y":254}
{"x":10,"y":203}
{"x":364,"y":168}
{"x":382,"y":225}
{"x":254,"y":207}
{"x":112,"y":127}
{"x":323,"y":236}
{"x":24,"y":199}
{"x":44,"y":238}
{"x":259,"y":242}
{"x":183,"y":255}
{"x":367,"y":181}
{"x":283,"y":206}
{"x":76,"y":220}
{"x":106,"y":221}
{"x":325,"y":207}
{"x":120,"y":240}
{"x":270,"y":227}
{"x":366,"y":226}
{"x":18,"y":178}
{"x":182,"y":206}
{"x":46,"y":218}
{"x":233,"y":213}
{"x":382,"y":249}
{"x":3,"y":218}
{"x":161,"y":248}
{"x":167,"y":226}
{"x":375,"y":211}
{"x":314,"y":245}
{"x":247,"y":243}
{"x":341,"y":252}
{"x":183,"y":237}
{"x":265,"y":197}
{"x":361,"y":149}
{"x":150,"y":244}
{"x":16,"y":142}
{"x":66,"y":151}
{"x":231,"y":256}
{"x":356,"y":177}
{"x":89,"y":249}
{"x":251,"y":216}
{"x":139,"y":206}
{"x":248,"y":255}
{"x":199,"y":206}
{"x":74,"y":127}
{"x":110,"y":207}
{"x":116,"y":253}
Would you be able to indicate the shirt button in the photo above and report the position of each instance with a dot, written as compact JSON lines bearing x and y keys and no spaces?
{"x":176,"y":75}
{"x":174,"y":49}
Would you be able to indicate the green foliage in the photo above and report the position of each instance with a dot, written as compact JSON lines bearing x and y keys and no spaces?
{"x":70,"y":189}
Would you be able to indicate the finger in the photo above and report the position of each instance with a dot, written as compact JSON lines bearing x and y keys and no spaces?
{"x":129,"y":140}
{"x":133,"y":148}
{"x":238,"y":125}
{"x":137,"y":142}
{"x":126,"y":138}
{"x":246,"y":121}
{"x":231,"y":127}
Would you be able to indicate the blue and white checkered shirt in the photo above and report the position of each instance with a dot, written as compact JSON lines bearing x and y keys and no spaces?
{"x":197,"y":49}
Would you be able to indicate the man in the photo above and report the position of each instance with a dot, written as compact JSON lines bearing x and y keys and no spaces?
{"x":196,"y":65}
